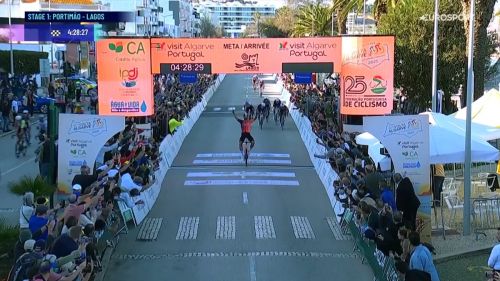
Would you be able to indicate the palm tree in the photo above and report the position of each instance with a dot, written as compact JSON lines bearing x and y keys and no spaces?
{"x":344,"y":7}
{"x":484,"y":12}
{"x":313,"y":20}
{"x":256,"y":20}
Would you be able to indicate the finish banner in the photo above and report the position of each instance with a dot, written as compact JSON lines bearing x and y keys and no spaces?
{"x":407,"y":140}
{"x":247,"y":55}
{"x":125,"y":80}
{"x":367,"y":75}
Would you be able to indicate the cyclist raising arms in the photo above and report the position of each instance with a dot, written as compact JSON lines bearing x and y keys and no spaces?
{"x":246,"y":127}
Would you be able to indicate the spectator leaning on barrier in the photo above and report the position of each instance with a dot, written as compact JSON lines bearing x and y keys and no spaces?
{"x":494,"y":258}
{"x":421,"y":257}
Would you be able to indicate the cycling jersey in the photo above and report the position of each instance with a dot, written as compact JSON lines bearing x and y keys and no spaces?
{"x":283,"y":109}
{"x":246,"y":125}
{"x":277,"y":103}
{"x":267,"y":102}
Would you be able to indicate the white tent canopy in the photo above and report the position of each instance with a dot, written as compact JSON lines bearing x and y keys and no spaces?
{"x":485,"y":110}
{"x":458,"y":126}
{"x":448,"y":147}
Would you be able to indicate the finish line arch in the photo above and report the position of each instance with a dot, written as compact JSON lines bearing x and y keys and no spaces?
{"x":126,"y":66}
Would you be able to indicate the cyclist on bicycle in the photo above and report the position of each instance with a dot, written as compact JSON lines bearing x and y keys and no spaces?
{"x":267,"y":108}
{"x":20,"y":134}
{"x":249,"y":109}
{"x":25,"y":122}
{"x":246,"y":127}
{"x":276,"y":106}
{"x":255,"y":79}
{"x":283,"y":112}
{"x":261,"y":109}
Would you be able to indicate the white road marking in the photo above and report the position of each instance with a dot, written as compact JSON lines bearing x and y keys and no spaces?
{"x":253,"y":274}
{"x":240,"y":174}
{"x":302,"y":228}
{"x":18,"y":166}
{"x":217,"y":108}
{"x":188,"y":228}
{"x":231,"y":108}
{"x":238,"y":154}
{"x":226,"y":227}
{"x":240,"y":161}
{"x":245,"y":198}
{"x":241,"y":182}
{"x":264,"y":227}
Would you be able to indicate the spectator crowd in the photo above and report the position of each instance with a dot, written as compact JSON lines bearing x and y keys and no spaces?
{"x":382,"y":203}
{"x":66,"y":242}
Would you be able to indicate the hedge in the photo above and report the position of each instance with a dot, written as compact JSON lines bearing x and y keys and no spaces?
{"x":25,"y":62}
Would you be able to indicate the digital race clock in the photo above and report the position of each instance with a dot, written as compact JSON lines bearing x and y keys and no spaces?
{"x":205,"y":68}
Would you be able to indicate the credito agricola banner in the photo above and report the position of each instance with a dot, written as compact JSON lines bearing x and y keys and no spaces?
{"x":125,"y":80}
{"x":367,"y":75}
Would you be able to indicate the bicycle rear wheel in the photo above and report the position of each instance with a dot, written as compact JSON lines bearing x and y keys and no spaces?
{"x":246,"y":156}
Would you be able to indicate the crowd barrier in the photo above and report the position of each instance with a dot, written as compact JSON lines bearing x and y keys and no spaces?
{"x":382,"y":266}
{"x":169,"y":148}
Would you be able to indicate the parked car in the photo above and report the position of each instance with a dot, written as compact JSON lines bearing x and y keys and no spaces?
{"x":88,"y":87}
{"x":42,"y":104}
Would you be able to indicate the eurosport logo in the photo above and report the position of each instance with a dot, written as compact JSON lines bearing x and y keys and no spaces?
{"x":129,"y":77}
{"x":444,"y":17}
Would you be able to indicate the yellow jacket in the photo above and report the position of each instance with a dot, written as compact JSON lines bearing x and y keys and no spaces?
{"x":173,"y":124}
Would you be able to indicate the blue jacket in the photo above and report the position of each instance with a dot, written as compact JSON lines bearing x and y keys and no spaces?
{"x":421,"y":259}
{"x":388,"y":197}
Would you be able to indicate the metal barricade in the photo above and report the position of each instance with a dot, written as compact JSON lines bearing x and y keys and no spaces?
{"x":485,"y":215}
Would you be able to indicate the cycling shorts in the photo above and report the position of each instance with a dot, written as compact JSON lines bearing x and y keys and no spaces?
{"x":247,"y":136}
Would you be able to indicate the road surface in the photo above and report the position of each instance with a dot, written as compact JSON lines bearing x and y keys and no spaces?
{"x":224,"y":221}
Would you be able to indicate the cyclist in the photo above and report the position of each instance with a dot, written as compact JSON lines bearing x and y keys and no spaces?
{"x":246,"y":127}
{"x":283,"y":113}
{"x":20,"y":134}
{"x":267,"y":108}
{"x":249,"y":109}
{"x":261,"y":113}
{"x":261,"y":87}
{"x":25,"y":122}
{"x":255,"y":79}
{"x":276,"y":106}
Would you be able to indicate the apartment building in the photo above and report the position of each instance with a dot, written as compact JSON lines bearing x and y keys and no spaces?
{"x":235,"y":15}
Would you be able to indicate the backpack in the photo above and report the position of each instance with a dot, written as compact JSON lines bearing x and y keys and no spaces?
{"x":23,"y":266}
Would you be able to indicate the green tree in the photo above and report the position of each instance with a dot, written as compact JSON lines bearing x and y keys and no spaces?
{"x":313,"y":20}
{"x":414,"y":43}
{"x":207,"y":28}
{"x":256,"y":21}
{"x":284,"y":20}
{"x":482,"y":42}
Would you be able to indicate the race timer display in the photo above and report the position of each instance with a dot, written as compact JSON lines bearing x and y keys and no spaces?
{"x":63,"y":33}
{"x":203,"y":68}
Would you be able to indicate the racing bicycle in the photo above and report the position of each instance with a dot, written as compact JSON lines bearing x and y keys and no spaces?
{"x":261,"y":119}
{"x":21,"y":147}
{"x":246,"y":151}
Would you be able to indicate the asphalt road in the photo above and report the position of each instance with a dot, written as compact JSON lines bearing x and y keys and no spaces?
{"x":224,"y":221}
{"x":12,"y":169}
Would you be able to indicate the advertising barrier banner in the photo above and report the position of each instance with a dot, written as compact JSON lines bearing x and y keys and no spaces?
{"x":407,"y":140}
{"x":81,"y":137}
{"x":367,"y":75}
{"x":125,"y":80}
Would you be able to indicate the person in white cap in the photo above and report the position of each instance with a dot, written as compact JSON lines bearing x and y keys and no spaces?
{"x":77,"y":190}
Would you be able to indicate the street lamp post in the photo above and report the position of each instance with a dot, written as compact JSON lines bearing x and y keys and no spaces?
{"x":364,"y":16}
{"x":470,"y":93}
{"x":10,"y":40}
{"x":332,"y":23}
{"x":434,"y":57}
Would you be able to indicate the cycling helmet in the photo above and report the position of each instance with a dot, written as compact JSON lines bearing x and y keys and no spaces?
{"x":19,"y":118}
{"x":263,"y":104}
{"x":25,"y":111}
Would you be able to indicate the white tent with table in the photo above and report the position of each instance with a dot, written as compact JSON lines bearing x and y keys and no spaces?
{"x":456,"y":125}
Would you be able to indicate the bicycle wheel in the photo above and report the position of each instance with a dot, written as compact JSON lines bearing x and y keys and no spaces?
{"x":282,"y":122}
{"x":261,"y":121}
{"x":246,"y":156}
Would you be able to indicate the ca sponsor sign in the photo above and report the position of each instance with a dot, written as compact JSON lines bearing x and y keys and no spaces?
{"x":407,"y":140}
{"x":81,"y":136}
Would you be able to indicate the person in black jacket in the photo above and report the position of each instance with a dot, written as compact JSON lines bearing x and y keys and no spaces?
{"x":406,"y":200}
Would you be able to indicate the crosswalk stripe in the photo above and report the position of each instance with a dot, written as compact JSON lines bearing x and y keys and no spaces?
{"x":240,"y":161}
{"x":302,"y":228}
{"x":241,"y":182}
{"x":188,"y":228}
{"x":226,"y":227}
{"x":264,"y":227}
{"x":238,"y":155}
{"x":336,"y":229}
{"x":240,"y":174}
